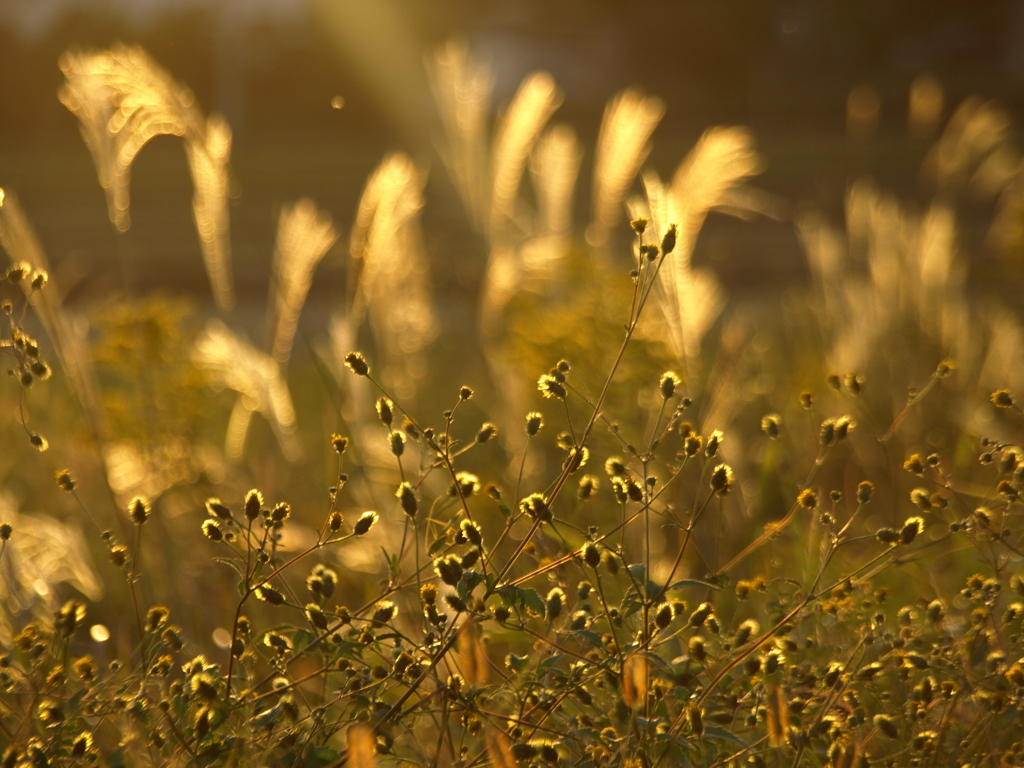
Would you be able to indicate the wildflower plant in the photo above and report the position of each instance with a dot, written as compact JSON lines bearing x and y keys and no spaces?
{"x":639,"y":594}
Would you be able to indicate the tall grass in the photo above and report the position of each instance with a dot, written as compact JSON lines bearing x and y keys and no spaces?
{"x":669,"y":530}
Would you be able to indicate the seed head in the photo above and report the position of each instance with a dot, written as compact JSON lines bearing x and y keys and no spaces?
{"x":554,"y":603}
{"x":699,"y":616}
{"x":639,"y":225}
{"x":119,"y":556}
{"x":668,"y":242}
{"x":668,"y":384}
{"x":68,"y":618}
{"x":663,"y":616}
{"x":6,"y":529}
{"x":807,"y":499}
{"x":407,"y":495}
{"x":340,"y":443}
{"x":550,"y":386}
{"x":18,"y":272}
{"x":472,"y":532}
{"x":212,"y":530}
{"x":721,"y":479}
{"x":534,"y":421}
{"x":591,"y":554}
{"x":281,"y":512}
{"x":919,"y":497}
{"x":449,"y":569}
{"x":204,"y":686}
{"x":536,"y":506}
{"x":466,"y":484}
{"x":887,"y":535}
{"x":156,"y":617}
{"x":914,"y":465}
{"x":692,"y":445}
{"x":384,"y":612}
{"x":715,"y":440}
{"x":357,"y":364}
{"x":577,"y":459}
{"x":39,"y":443}
{"x":486,"y":432}
{"x":334,"y":521}
{"x":365,"y":522}
{"x":65,"y":481}
{"x":615,"y":467}
{"x":396,"y":440}
{"x":885,"y":724}
{"x":270,"y":595}
{"x":806,"y":400}
{"x":1002,"y":398}
{"x":910,"y":529}
{"x":253,"y":504}
{"x":588,"y":487}
{"x":385,"y":411}
{"x":770,"y":424}
{"x":746,"y":630}
{"x":455,"y":603}
{"x":864,"y":491}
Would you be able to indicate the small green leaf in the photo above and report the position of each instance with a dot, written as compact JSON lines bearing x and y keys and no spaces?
{"x":437,"y":544}
{"x":532,"y":601}
{"x":515,"y":663}
{"x":232,"y":563}
{"x":692,"y":584}
{"x":714,"y":732}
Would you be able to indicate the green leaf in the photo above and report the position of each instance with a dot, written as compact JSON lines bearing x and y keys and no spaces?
{"x":301,"y":639}
{"x":437,"y":544}
{"x":692,"y":584}
{"x":503,"y":508}
{"x":532,"y":601}
{"x":592,"y":637}
{"x":470,"y":580}
{"x":509,"y":594}
{"x":233,"y":564}
{"x":317,"y":757}
{"x":714,"y":732}
{"x":515,"y":663}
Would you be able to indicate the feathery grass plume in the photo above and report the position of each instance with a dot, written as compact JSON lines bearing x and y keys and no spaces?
{"x":472,"y":660}
{"x":122,"y":99}
{"x":19,"y":240}
{"x":975,"y":151}
{"x":304,"y":235}
{"x":386,"y":247}
{"x":43,"y":554}
{"x":362,"y":747}
{"x":462,"y":88}
{"x":634,"y":680}
{"x":499,"y":750}
{"x":925,"y":107}
{"x":690,"y":300}
{"x":777,"y":716}
{"x":622,"y":146}
{"x":208,"y":156}
{"x":554,"y":167}
{"x":232,"y":362}
{"x":515,"y":135}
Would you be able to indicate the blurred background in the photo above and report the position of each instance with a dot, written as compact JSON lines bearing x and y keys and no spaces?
{"x":879,"y":189}
{"x":273,"y":67}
